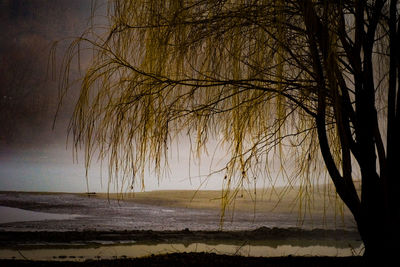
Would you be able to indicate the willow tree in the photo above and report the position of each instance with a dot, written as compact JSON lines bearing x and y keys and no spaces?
{"x":316,"y":81}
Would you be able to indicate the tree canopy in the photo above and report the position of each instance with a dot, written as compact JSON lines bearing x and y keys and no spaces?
{"x":314,"y":81}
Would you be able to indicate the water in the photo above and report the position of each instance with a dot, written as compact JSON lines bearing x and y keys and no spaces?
{"x":132,"y":251}
{"x":9,"y":215}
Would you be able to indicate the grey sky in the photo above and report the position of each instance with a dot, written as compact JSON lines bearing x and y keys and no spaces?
{"x":33,"y":156}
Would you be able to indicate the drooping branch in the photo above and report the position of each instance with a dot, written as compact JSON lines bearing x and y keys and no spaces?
{"x":256,"y":74}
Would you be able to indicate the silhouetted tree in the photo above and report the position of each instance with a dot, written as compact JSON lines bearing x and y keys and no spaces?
{"x":312,"y":79}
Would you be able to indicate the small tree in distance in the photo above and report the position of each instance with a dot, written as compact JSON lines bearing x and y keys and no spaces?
{"x":307,"y":79}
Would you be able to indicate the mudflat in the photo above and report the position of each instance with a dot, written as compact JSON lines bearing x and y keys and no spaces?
{"x":261,"y":236}
{"x":322,"y":200}
{"x":168,"y":210}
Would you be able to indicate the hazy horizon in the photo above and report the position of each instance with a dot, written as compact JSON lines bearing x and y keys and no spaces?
{"x":33,"y":155}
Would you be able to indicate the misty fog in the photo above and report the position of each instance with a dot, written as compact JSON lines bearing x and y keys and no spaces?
{"x":34,"y":156}
{"x":29,"y":86}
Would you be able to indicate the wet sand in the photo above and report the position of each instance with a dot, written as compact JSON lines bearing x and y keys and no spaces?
{"x":161,"y":211}
{"x":279,"y":199}
{"x":262,"y":236}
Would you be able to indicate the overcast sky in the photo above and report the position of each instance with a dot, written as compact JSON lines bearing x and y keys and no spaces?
{"x":35,"y":157}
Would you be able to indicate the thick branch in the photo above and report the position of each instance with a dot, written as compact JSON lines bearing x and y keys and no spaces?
{"x":347,"y":196}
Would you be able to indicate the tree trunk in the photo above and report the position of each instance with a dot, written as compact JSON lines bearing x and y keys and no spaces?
{"x":380,"y":240}
{"x":378,"y":228}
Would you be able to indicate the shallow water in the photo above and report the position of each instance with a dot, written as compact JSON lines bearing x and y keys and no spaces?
{"x":9,"y":215}
{"x":132,"y":251}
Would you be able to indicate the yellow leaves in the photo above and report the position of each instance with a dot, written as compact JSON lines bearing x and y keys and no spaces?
{"x":225,"y":70}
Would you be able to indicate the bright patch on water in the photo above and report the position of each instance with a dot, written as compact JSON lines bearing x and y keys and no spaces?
{"x":8,"y":215}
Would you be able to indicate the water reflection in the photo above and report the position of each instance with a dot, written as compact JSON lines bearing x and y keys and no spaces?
{"x":133,"y":250}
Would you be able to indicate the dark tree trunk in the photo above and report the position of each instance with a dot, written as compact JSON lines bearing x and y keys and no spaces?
{"x":377,"y":213}
{"x":379,"y":235}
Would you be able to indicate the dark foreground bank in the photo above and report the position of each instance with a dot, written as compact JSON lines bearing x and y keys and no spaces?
{"x":202,"y":259}
{"x":20,"y":239}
